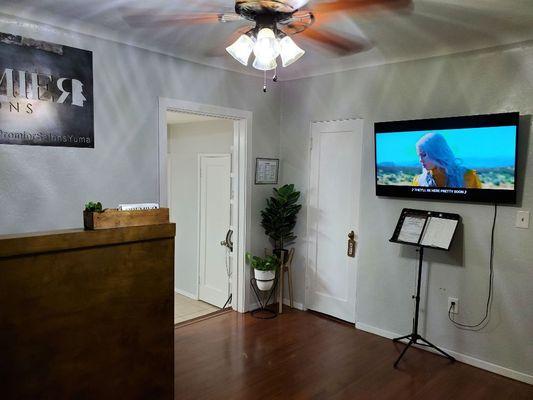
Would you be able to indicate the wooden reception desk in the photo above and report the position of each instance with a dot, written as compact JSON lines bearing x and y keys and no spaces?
{"x":87,"y":314}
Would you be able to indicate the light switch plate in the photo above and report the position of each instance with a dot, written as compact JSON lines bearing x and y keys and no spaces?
{"x":522,"y":219}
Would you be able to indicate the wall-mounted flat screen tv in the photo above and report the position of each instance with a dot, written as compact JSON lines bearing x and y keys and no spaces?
{"x":469,"y":158}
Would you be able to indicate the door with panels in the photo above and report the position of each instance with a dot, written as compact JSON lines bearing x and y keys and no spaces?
{"x":214,"y":223}
{"x":333,"y":213}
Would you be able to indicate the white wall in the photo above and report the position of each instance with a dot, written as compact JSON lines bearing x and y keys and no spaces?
{"x":477,"y":83}
{"x":45,"y":188}
{"x":185,"y":142}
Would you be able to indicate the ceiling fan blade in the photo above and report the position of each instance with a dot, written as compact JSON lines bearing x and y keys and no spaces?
{"x":272,"y":6}
{"x":298,"y":22}
{"x":334,"y":42}
{"x":296,"y":3}
{"x":153,"y":19}
{"x":360,"y":5}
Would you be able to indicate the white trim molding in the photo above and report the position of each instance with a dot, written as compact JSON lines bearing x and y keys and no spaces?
{"x":241,"y":183}
{"x":186,"y":294}
{"x":298,"y":306}
{"x":476,"y":362}
{"x":287,"y":302}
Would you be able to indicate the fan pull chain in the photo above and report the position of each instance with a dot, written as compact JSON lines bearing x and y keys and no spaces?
{"x":275,"y":78}
{"x":264,"y":81}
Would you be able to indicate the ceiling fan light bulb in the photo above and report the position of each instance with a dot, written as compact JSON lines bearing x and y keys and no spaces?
{"x":264,"y":65}
{"x":241,"y":49}
{"x":290,"y":52}
{"x":267,"y":45}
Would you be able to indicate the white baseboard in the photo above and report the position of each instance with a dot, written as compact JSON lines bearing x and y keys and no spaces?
{"x":186,"y":294}
{"x":497,"y":369}
{"x":375,"y":331}
{"x":298,"y":306}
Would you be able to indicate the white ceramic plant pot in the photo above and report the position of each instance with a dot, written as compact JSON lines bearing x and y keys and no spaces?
{"x":264,"y":279}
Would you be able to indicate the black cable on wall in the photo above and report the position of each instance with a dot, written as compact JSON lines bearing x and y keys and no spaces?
{"x":481,"y":324}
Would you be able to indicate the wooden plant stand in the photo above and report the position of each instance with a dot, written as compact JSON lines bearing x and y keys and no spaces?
{"x":285,"y":267}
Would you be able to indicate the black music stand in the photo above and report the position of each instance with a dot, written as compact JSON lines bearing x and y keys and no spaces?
{"x":417,"y":232}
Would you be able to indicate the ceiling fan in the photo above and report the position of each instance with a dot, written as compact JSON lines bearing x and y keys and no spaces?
{"x":273,"y":22}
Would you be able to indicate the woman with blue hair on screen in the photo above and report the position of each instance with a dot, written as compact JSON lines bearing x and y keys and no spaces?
{"x":440,"y":166}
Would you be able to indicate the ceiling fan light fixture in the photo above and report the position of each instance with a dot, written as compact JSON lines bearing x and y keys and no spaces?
{"x":266,"y":45}
{"x":264,"y":64}
{"x":241,"y":49}
{"x":290,"y":52}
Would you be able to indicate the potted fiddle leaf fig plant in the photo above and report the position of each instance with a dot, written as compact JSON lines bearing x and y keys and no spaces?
{"x":264,"y":270}
{"x":278,"y":219}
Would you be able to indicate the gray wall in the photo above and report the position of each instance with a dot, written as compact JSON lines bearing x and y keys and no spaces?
{"x":45,"y":188}
{"x":476,"y":83}
{"x":185,"y":142}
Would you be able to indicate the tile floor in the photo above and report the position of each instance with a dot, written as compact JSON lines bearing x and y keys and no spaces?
{"x":186,"y":308}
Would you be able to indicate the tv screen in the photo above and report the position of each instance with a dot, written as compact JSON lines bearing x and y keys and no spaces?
{"x":461,"y":158}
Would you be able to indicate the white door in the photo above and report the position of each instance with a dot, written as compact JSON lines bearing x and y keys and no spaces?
{"x":333,"y":212}
{"x":215,"y":183}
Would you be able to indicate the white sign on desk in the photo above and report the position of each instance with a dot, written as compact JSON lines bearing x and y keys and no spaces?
{"x":266,"y":171}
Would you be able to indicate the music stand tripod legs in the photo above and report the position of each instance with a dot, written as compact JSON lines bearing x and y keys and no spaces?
{"x":414,"y":337}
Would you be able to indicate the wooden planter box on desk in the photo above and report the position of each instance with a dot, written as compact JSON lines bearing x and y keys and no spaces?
{"x":111,"y":218}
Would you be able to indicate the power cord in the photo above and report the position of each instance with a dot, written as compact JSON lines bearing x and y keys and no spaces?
{"x":481,"y":324}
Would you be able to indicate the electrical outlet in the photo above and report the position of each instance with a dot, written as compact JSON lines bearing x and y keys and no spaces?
{"x":522,"y":219}
{"x":453,"y":305}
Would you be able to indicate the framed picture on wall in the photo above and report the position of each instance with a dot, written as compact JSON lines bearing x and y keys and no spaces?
{"x":266,"y":171}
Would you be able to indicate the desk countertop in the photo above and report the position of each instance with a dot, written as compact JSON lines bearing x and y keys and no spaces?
{"x":45,"y":242}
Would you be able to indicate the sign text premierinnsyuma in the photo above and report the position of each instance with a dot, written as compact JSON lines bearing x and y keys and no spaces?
{"x":16,"y":86}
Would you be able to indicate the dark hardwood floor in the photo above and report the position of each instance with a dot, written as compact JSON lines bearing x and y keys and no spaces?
{"x":301,"y":355}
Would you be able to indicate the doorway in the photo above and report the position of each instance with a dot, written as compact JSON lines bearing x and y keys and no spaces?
{"x":333,"y":213}
{"x":199,"y":199}
{"x":218,"y":181}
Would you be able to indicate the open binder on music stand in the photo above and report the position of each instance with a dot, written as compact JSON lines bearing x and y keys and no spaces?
{"x":426,"y":228}
{"x":423,"y":229}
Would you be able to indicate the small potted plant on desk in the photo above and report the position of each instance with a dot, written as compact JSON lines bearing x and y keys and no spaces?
{"x":90,"y":208}
{"x":264,"y":270}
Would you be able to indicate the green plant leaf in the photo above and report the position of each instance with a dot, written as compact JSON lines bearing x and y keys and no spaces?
{"x":93,"y":207}
{"x":279,"y":217}
{"x":268,"y":263}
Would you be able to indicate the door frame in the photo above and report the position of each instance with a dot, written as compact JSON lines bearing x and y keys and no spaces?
{"x":307,"y":204}
{"x":199,"y":216}
{"x":241,"y":176}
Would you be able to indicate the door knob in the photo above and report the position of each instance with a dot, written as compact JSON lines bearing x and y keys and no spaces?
{"x":351,"y":244}
{"x":228,"y":242}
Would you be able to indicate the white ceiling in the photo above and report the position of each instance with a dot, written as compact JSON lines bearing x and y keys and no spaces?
{"x":432,"y":28}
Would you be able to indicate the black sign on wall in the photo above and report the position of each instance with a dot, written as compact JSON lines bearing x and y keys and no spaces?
{"x":46,"y":93}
